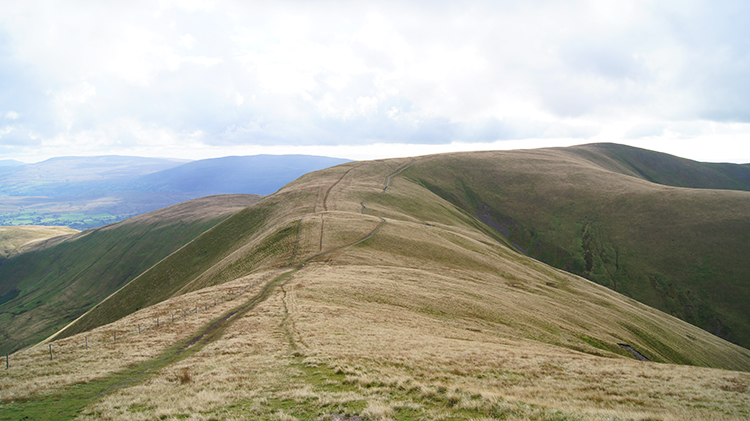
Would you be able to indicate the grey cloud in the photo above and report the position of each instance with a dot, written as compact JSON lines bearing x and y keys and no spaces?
{"x":716,"y":50}
{"x":608,"y":58}
{"x":645,"y":130}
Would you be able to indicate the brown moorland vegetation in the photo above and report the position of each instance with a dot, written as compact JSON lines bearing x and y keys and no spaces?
{"x":432,"y":316}
{"x":14,"y":238}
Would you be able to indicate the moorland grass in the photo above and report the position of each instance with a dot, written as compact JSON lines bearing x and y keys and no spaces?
{"x":677,"y":249}
{"x":429,"y":318}
{"x":14,"y":238}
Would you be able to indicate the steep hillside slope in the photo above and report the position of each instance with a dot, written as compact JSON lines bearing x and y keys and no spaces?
{"x":58,"y":279}
{"x":357,"y":291}
{"x":681,"y":250}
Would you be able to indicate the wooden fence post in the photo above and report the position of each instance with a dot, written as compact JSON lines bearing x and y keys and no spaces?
{"x":7,"y":361}
{"x":50,"y":352}
{"x":115,"y":336}
{"x":139,"y":328}
{"x":157,"y":322}
{"x":172,"y":317}
{"x":87,"y":342}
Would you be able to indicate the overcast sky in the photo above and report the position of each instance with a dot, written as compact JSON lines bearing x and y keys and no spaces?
{"x":198,"y":79}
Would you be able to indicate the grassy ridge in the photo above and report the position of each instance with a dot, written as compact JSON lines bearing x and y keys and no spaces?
{"x":434,"y":316}
{"x":665,"y":169}
{"x":679,"y":250}
{"x":14,"y":238}
{"x":474,"y":216}
{"x":260,"y":236}
{"x":53,"y":285}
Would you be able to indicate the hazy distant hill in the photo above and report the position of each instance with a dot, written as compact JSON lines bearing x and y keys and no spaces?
{"x":258,"y":174}
{"x":72,"y":175}
{"x":88,"y":192}
{"x":4,"y":163}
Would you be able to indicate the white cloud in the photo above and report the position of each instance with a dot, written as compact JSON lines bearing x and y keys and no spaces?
{"x":226,"y":73}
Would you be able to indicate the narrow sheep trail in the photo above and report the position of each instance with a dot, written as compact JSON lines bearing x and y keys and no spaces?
{"x":70,"y":401}
{"x":387,"y":184}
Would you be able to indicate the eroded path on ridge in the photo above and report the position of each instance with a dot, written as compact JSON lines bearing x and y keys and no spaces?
{"x":70,"y":401}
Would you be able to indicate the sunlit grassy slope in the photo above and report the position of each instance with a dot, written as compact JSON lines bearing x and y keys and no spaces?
{"x":53,"y":283}
{"x":408,"y":308}
{"x":17,"y":237}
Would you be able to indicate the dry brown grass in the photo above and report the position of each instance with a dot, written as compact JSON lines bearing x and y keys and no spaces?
{"x":394,"y":359}
{"x":32,"y":373}
{"x":431,"y":321}
{"x":16,"y":238}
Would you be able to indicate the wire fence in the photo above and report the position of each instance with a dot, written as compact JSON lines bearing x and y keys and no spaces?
{"x":116,"y":335}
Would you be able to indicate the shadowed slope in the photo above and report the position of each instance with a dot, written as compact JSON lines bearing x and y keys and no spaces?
{"x":665,"y":169}
{"x":678,"y":249}
{"x":59,"y":279}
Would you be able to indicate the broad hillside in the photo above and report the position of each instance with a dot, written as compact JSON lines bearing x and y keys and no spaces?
{"x":588,"y":210}
{"x":375,"y":290}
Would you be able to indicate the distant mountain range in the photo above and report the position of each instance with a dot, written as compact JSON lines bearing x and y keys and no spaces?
{"x":10,"y":163}
{"x":88,"y":192}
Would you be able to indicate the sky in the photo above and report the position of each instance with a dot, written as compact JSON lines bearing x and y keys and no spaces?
{"x":195,"y":79}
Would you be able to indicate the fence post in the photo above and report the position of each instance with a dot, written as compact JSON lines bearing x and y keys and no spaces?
{"x":50,"y":352}
{"x":206,"y":307}
{"x":7,"y":361}
{"x":87,"y":342}
{"x":184,"y":314}
{"x":139,"y":328}
{"x":115,"y":336}
{"x":172,"y":317}
{"x":157,"y":322}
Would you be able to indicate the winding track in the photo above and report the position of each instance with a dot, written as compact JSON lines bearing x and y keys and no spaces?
{"x":387,"y":184}
{"x":87,"y":393}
